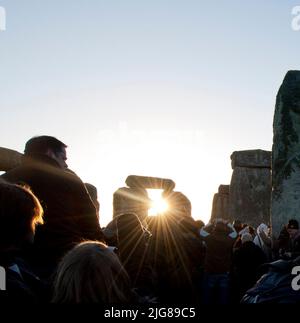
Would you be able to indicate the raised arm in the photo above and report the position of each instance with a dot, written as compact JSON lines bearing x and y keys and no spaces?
{"x":233,"y":234}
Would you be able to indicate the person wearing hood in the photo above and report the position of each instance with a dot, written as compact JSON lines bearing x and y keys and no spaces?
{"x":246,"y":266}
{"x":219,"y":238}
{"x":289,"y":240}
{"x":264,"y":241}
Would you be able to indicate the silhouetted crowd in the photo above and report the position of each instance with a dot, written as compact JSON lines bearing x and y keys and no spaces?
{"x":53,"y":249}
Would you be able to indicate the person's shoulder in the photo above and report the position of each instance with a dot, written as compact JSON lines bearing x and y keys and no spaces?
{"x":19,"y":171}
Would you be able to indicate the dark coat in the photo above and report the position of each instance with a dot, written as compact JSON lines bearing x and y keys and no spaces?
{"x":247,"y":261}
{"x":22,"y":285}
{"x":219,"y":246}
{"x":69,"y":214}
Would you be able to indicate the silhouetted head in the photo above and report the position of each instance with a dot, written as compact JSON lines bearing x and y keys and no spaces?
{"x":238,"y":226}
{"x":20,"y":212}
{"x":293,"y":224}
{"x":188,"y":225}
{"x":199,"y":224}
{"x":292,"y":227}
{"x":49,"y":146}
{"x":130,"y":230}
{"x":219,"y":225}
{"x":91,"y":273}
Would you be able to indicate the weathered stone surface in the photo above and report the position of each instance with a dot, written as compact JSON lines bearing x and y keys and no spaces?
{"x":286,"y":153}
{"x":224,"y":189}
{"x":131,"y":200}
{"x":251,"y":158}
{"x":250,"y":195}
{"x":220,"y":207}
{"x":150,"y":182}
{"x":9,"y":159}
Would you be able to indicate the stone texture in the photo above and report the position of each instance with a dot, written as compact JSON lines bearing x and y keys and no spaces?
{"x":220,"y":207}
{"x":250,"y":187}
{"x":127,"y":200}
{"x":251,"y":158}
{"x":134,"y":198}
{"x":224,"y":189}
{"x":150,"y":182}
{"x":286,"y":153}
{"x":250,"y":195}
{"x":9,"y":159}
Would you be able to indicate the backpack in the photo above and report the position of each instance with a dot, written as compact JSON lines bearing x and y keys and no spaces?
{"x":275,"y":286}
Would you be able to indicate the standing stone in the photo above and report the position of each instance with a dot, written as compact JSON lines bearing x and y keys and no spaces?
{"x":9,"y":159}
{"x":220,"y":207}
{"x":135,"y":181}
{"x":251,"y":159}
{"x":286,"y":153}
{"x":134,"y":198}
{"x":131,"y":200}
{"x":250,"y":187}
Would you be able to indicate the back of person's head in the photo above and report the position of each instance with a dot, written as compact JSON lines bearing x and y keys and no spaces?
{"x":128,"y":222}
{"x":200,"y":224}
{"x":220,"y":226}
{"x":130,"y":232}
{"x":293,"y":224}
{"x":188,"y":225}
{"x":41,"y":144}
{"x":238,"y":226}
{"x":20,"y":212}
{"x":91,"y":273}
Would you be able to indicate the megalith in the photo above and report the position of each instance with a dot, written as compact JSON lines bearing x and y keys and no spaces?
{"x":286,"y":153}
{"x":134,"y":198}
{"x":220,"y":207}
{"x":250,"y":187}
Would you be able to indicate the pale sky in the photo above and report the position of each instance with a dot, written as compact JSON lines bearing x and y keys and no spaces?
{"x":164,"y":88}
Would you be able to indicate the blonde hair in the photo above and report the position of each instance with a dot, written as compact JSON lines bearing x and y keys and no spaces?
{"x":91,"y":273}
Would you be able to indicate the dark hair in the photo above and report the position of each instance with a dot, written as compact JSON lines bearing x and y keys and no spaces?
{"x":20,"y":212}
{"x":130,"y":230}
{"x":293,"y":224}
{"x":220,"y":227}
{"x":40,"y":145}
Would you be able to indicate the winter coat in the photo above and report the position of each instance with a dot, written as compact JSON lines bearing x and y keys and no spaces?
{"x":69,"y":214}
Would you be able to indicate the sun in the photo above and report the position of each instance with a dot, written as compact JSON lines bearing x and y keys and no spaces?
{"x":158,"y":204}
